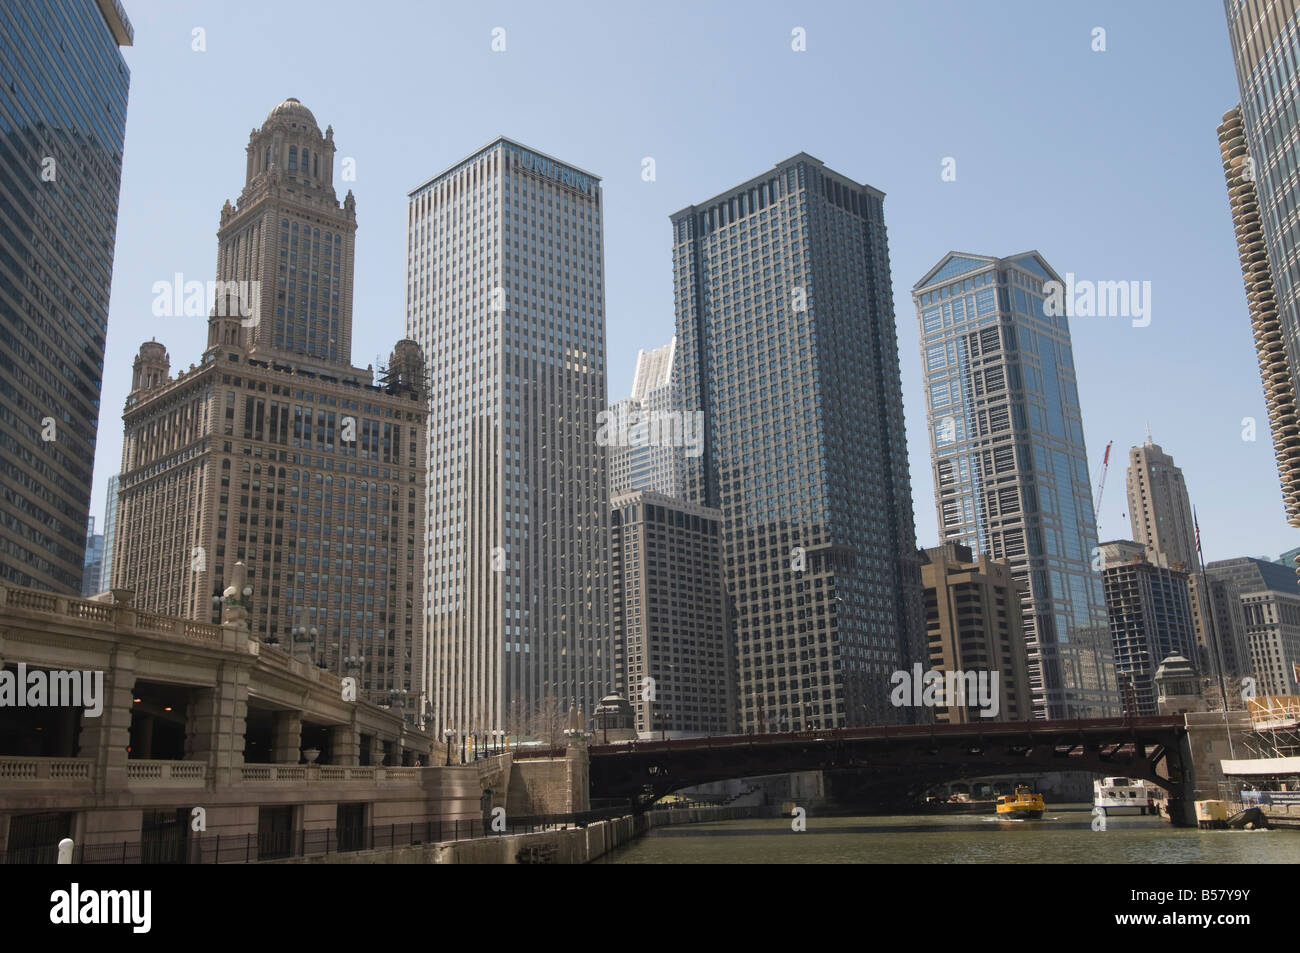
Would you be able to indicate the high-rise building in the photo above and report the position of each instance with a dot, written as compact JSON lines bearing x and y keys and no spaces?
{"x":1254,"y":143}
{"x":110,"y":535}
{"x":1270,"y":603}
{"x":1010,"y":466}
{"x":972,"y":620}
{"x":275,"y":451}
{"x":94,"y":560}
{"x":674,"y":654}
{"x":1220,"y":628}
{"x":64,"y":121}
{"x":651,"y":436}
{"x":787,"y":346}
{"x":1150,"y":619}
{"x":1159,"y":508}
{"x":505,"y":292}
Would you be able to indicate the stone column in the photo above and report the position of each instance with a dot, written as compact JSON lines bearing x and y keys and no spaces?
{"x":215,"y":726}
{"x":106,"y":738}
{"x":345,"y":745}
{"x":286,"y":746}
{"x":578,"y":796}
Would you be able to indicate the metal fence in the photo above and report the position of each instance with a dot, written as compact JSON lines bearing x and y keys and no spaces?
{"x":249,"y":848}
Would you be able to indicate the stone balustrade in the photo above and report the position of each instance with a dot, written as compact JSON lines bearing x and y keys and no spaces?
{"x":49,"y":770}
{"x":166,"y":773}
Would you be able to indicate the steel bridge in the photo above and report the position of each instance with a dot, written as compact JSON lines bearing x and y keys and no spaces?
{"x":910,"y":756}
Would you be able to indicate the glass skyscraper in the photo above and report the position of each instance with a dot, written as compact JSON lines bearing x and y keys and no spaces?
{"x":787,"y":344}
{"x":110,"y":534}
{"x":1264,"y":192}
{"x":1010,"y":466}
{"x":62,"y":128}
{"x":505,"y":292}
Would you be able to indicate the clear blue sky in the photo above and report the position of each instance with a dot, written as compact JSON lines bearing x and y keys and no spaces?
{"x":1107,"y":163}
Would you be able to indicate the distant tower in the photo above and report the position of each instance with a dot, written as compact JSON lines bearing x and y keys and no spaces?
{"x":1159,"y":508}
{"x":648,"y":460}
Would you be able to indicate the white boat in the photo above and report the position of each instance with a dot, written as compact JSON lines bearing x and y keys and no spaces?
{"x":1126,"y":795}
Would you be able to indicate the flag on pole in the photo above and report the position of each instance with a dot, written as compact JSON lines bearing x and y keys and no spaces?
{"x":1197,"y":524}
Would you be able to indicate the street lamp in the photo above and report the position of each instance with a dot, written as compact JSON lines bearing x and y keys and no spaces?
{"x":304,"y":636}
{"x":446,"y":734}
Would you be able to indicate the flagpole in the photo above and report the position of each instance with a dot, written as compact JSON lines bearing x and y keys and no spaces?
{"x":1209,"y":614}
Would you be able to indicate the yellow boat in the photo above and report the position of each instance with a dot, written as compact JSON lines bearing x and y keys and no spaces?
{"x":1023,"y":805}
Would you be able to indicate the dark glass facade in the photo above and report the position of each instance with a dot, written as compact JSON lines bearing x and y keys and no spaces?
{"x":787,"y":343}
{"x":63,"y":93}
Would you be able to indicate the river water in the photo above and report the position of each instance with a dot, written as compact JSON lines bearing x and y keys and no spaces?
{"x":1063,"y":836}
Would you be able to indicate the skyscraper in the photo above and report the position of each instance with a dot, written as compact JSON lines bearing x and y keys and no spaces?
{"x":94,"y":560}
{"x":1270,"y":603}
{"x":1150,"y":619}
{"x":1159,"y":508}
{"x":110,"y":534}
{"x":1010,"y":467}
{"x":64,"y":121}
{"x":505,"y":292}
{"x":674,"y":656}
{"x":651,"y":439}
{"x":787,"y":345}
{"x":275,"y":451}
{"x":972,"y":621}
{"x":1254,"y":142}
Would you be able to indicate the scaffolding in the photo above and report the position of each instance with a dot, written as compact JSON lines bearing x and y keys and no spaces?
{"x":1274,"y":726}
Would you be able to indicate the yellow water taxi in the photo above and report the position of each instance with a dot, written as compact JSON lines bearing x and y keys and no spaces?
{"x":1023,"y":805}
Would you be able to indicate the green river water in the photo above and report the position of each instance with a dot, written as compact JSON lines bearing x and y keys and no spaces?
{"x":1063,"y":836}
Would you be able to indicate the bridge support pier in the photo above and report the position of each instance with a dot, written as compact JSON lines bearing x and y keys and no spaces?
{"x":1211,"y":737}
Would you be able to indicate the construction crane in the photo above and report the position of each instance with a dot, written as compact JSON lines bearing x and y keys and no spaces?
{"x":1101,"y":486}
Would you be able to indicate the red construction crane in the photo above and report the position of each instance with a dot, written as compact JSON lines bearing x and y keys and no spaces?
{"x":1101,"y":484}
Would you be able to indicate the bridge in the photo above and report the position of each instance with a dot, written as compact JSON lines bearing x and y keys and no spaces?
{"x":1152,"y":748}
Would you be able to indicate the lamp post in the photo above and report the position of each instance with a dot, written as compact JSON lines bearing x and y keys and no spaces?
{"x":303,"y":636}
{"x":446,"y":734}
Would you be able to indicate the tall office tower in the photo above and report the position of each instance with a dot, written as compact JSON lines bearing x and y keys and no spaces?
{"x":1227,"y":639}
{"x":972,"y":618}
{"x":787,"y":345}
{"x":1254,"y":143}
{"x":63,"y":113}
{"x":275,"y":451}
{"x":110,"y":535}
{"x":652,"y":440}
{"x":1159,"y":507}
{"x":1150,"y":619}
{"x":505,"y":292}
{"x":1270,"y":604}
{"x":94,"y":560}
{"x":674,"y":653}
{"x":1010,"y":467}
